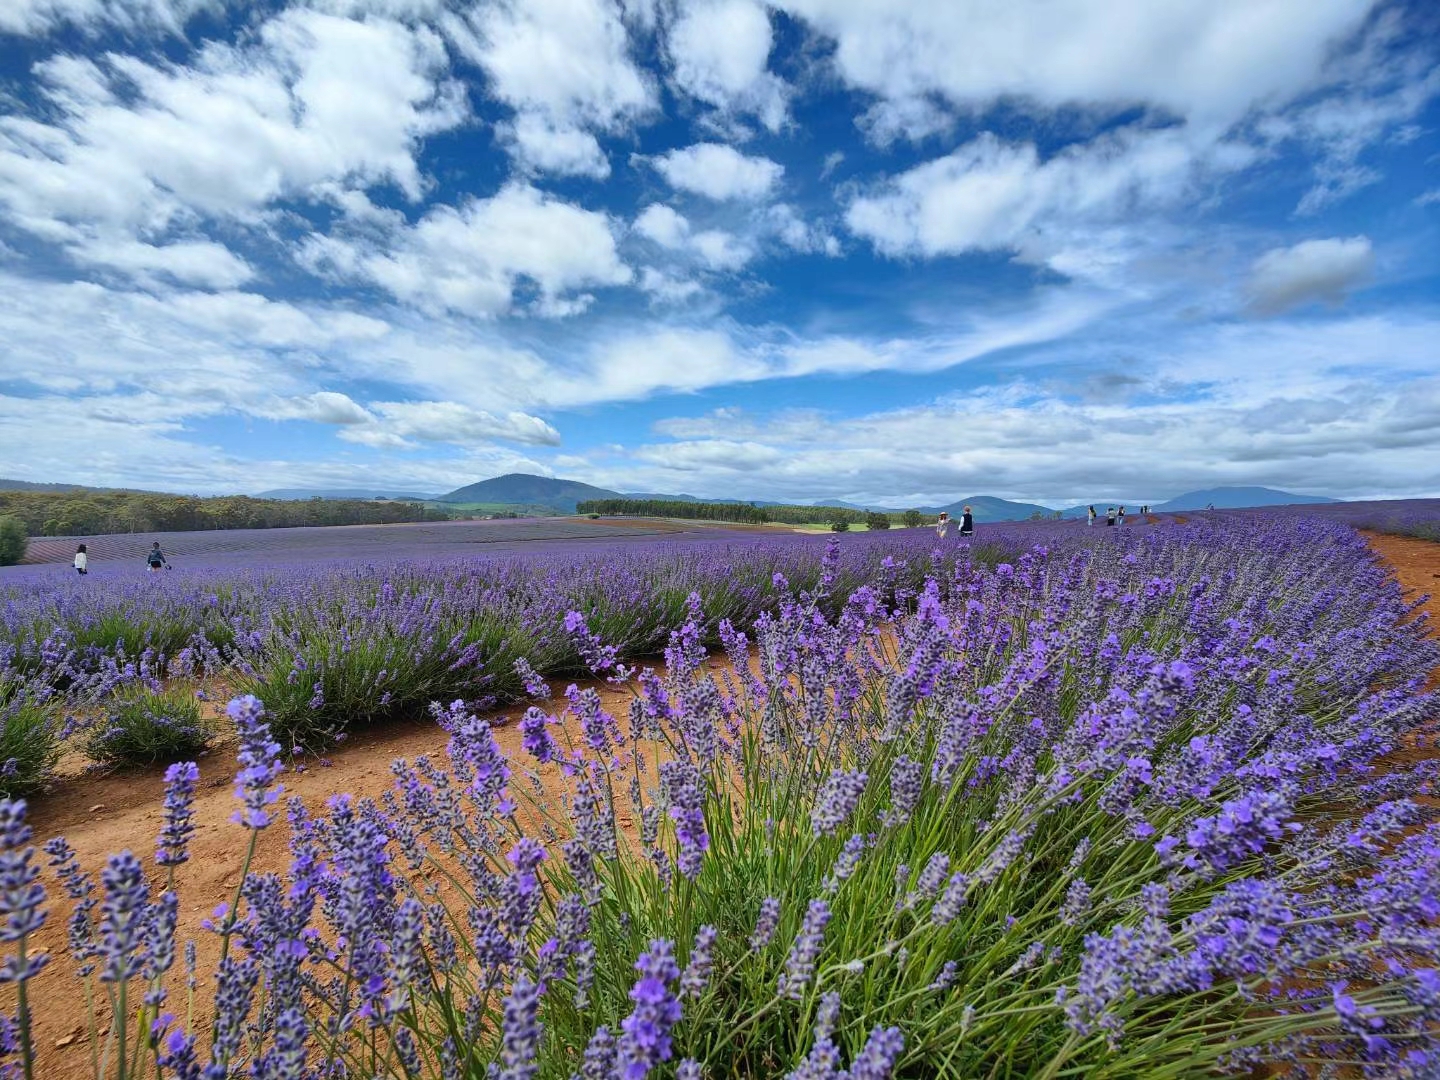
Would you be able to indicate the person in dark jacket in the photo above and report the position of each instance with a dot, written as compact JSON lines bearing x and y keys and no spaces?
{"x":967,"y":523}
{"x":156,"y":559}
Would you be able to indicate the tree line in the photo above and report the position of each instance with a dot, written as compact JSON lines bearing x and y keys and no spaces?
{"x":748,"y":513}
{"x":93,"y":513}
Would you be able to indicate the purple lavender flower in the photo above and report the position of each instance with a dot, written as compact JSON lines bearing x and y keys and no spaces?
{"x":697,"y":972}
{"x":124,"y":914}
{"x":1242,"y":828}
{"x":260,"y":764}
{"x":800,"y":964}
{"x":765,"y":923}
{"x":836,"y":801}
{"x":907,"y":779}
{"x":535,"y":684}
{"x":178,"y":1057}
{"x":847,"y":862}
{"x":646,"y":1039}
{"x":180,"y":781}
{"x":21,"y":895}
{"x":285,"y":1060}
{"x":599,"y":1062}
{"x":520,"y":1039}
{"x":685,"y":792}
{"x":876,"y":1061}
{"x":535,"y":735}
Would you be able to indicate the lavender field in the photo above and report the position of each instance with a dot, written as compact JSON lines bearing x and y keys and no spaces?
{"x":1061,"y":802}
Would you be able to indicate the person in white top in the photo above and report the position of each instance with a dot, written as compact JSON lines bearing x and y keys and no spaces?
{"x":81,"y":560}
{"x":942,"y":527}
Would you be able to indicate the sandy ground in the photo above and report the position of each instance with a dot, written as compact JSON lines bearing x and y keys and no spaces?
{"x":104,"y":814}
{"x":1417,"y":567}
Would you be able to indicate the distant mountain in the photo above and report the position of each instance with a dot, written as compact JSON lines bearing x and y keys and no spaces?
{"x":26,"y":485}
{"x":989,"y":508}
{"x":1235,"y":498}
{"x":667,"y":498}
{"x":528,"y":490}
{"x":1132,"y":506}
{"x":342,"y":493}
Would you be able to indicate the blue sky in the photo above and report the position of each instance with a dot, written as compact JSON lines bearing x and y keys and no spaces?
{"x":894,"y":251}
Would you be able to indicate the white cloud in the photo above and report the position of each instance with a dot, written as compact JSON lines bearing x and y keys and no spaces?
{"x":719,"y":50}
{"x":194,"y":262}
{"x":1209,"y":61}
{"x":718,"y":172}
{"x":399,"y":424}
{"x":716,"y":249}
{"x":663,"y":224}
{"x":37,"y":17}
{"x":564,"y":151}
{"x":990,"y":195}
{"x":322,"y":407}
{"x":1195,"y":417}
{"x":564,"y":66}
{"x":134,"y":151}
{"x":712,"y":455}
{"x":1327,"y":270}
{"x":474,"y":258}
{"x":666,"y":288}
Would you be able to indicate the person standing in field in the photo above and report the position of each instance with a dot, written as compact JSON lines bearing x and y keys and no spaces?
{"x":1120,"y":517}
{"x":967,"y":523}
{"x":1109,"y":515}
{"x":942,"y":527}
{"x":156,"y":559}
{"x":82,"y":561}
{"x":1090,"y":516}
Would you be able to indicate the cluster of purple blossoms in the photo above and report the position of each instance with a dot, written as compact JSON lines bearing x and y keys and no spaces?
{"x":836,"y":800}
{"x":645,"y":1041}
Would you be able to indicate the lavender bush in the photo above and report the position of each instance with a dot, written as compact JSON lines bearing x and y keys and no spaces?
{"x":1112,"y":809}
{"x":143,"y":726}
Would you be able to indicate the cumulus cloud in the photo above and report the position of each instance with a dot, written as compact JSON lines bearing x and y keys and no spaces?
{"x":472,"y":259}
{"x":193,"y":262}
{"x":322,"y":407}
{"x":1209,"y":61}
{"x":718,"y":171}
{"x":719,"y":50}
{"x":314,"y":99}
{"x":407,"y":424}
{"x":992,"y":195}
{"x":1325,"y":270}
{"x":39,"y":17}
{"x":716,"y":249}
{"x":564,"y":66}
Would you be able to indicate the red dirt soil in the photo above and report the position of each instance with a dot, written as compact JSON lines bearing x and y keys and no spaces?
{"x":101,"y":815}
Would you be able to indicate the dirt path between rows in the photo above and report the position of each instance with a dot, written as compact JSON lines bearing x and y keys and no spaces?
{"x":1416,"y":564}
{"x":101,"y":815}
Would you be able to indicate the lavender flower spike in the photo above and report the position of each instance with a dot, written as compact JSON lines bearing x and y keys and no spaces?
{"x":180,"y":781}
{"x":21,"y":896}
{"x":646,"y":1039}
{"x":259,"y":759}
{"x":800,"y":964}
{"x":837,"y":800}
{"x":521,"y":1038}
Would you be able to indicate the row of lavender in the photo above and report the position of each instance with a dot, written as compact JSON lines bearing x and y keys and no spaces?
{"x":1400,"y":517}
{"x":331,"y":645}
{"x":1113,"y":809}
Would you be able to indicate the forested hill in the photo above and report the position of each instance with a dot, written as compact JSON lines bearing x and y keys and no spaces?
{"x":95,"y":511}
{"x":746,"y":513}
